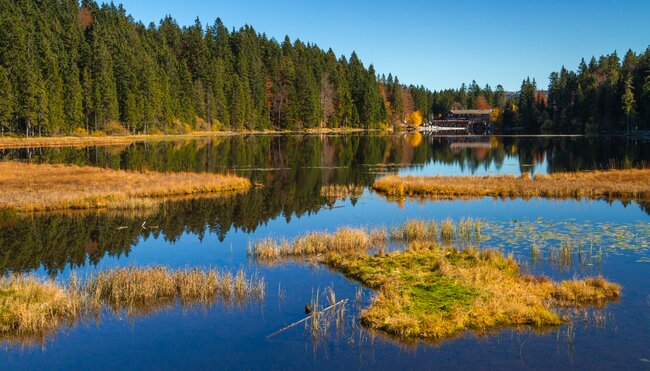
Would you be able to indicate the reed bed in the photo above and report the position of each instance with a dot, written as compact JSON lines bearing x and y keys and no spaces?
{"x":611,"y":184}
{"x":313,"y":244}
{"x":434,"y":292}
{"x":347,"y":240}
{"x":31,"y":306}
{"x":463,"y":231}
{"x":334,"y":192}
{"x":29,"y":187}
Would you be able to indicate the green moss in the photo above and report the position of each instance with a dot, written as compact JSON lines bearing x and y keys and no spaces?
{"x":441,"y":295}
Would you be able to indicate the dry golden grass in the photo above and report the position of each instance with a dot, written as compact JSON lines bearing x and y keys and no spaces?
{"x":313,"y":244}
{"x":32,"y":308}
{"x":143,"y":290}
{"x":90,"y":140}
{"x":334,"y":192}
{"x":612,"y":184}
{"x":347,"y":240}
{"x":28,"y":187}
{"x":432,"y":292}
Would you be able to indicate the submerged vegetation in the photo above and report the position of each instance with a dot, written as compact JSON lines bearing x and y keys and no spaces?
{"x":35,"y":307}
{"x":612,"y":184}
{"x":28,"y":187}
{"x":437,"y":284}
{"x":434,"y":292}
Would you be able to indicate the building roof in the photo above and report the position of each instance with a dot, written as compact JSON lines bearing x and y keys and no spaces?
{"x":471,"y":111}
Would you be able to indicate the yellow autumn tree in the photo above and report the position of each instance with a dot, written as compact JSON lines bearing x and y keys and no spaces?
{"x":494,"y":116}
{"x":414,"y":119}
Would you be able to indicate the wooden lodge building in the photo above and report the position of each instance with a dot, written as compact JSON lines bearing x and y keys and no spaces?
{"x":474,"y":116}
{"x":471,"y":119}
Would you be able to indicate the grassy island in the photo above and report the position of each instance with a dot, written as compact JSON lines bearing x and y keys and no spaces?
{"x":432,"y":288}
{"x":28,"y":187}
{"x":612,"y":184}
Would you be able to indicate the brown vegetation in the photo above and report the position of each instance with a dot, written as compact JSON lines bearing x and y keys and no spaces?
{"x":612,"y":184}
{"x":33,"y":307}
{"x":28,"y":187}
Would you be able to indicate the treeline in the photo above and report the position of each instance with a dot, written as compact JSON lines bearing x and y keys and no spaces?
{"x":70,"y":67}
{"x":605,"y":95}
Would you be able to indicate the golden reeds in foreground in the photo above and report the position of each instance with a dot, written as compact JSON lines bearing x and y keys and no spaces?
{"x":31,"y":306}
{"x":612,"y":184}
{"x":433,"y":292}
{"x":29,"y":187}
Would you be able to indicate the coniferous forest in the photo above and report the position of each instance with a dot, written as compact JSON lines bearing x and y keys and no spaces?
{"x":68,"y":67}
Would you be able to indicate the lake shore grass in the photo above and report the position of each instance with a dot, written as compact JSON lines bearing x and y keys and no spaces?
{"x":632,"y":184}
{"x":29,"y":187}
{"x":90,"y":140}
{"x":432,"y":292}
{"x":32,"y":307}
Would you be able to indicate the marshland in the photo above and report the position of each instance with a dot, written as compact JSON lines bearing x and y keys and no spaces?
{"x":156,"y":286}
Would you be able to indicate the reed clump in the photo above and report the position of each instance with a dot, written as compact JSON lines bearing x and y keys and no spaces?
{"x":463,"y":231}
{"x":611,"y":184}
{"x":136,"y":289}
{"x":343,"y":240}
{"x":35,"y":307}
{"x":347,"y":240}
{"x":30,"y":187}
{"x":335,"y":192}
{"x":434,"y":292}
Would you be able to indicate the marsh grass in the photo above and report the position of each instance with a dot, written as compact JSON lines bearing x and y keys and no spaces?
{"x":32,"y":307}
{"x":336,"y":192}
{"x":347,"y":240}
{"x":313,"y":244}
{"x":612,"y":184}
{"x":29,"y":187}
{"x":434,"y":292}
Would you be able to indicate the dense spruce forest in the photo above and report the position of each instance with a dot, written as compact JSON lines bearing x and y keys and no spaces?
{"x":77,"y":68}
{"x":67,"y":66}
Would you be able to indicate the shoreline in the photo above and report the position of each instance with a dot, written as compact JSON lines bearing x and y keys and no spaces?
{"x":82,"y":141}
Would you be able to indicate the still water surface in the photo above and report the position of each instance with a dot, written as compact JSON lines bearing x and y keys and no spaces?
{"x":298,"y":174}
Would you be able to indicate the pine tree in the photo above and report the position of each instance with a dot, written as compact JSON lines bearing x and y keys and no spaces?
{"x":7,"y":101}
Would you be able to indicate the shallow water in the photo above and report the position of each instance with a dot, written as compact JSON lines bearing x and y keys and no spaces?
{"x":606,"y":238}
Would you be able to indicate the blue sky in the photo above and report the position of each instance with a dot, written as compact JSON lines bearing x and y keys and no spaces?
{"x":439,"y":44}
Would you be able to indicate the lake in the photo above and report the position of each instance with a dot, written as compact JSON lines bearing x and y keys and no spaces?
{"x":317,"y":183}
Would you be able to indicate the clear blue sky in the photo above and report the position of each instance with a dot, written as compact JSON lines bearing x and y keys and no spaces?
{"x":439,"y":44}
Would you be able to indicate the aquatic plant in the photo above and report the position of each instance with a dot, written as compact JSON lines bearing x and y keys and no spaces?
{"x":359,"y":240}
{"x":35,"y":307}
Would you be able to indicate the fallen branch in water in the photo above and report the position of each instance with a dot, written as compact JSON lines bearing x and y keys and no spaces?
{"x":307,"y":318}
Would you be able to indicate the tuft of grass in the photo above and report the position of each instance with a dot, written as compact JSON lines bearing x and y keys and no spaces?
{"x":612,"y":184}
{"x":335,"y":192}
{"x":434,"y":292}
{"x":33,"y":306}
{"x":142,"y":290}
{"x":29,"y":187}
{"x":343,"y":240}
